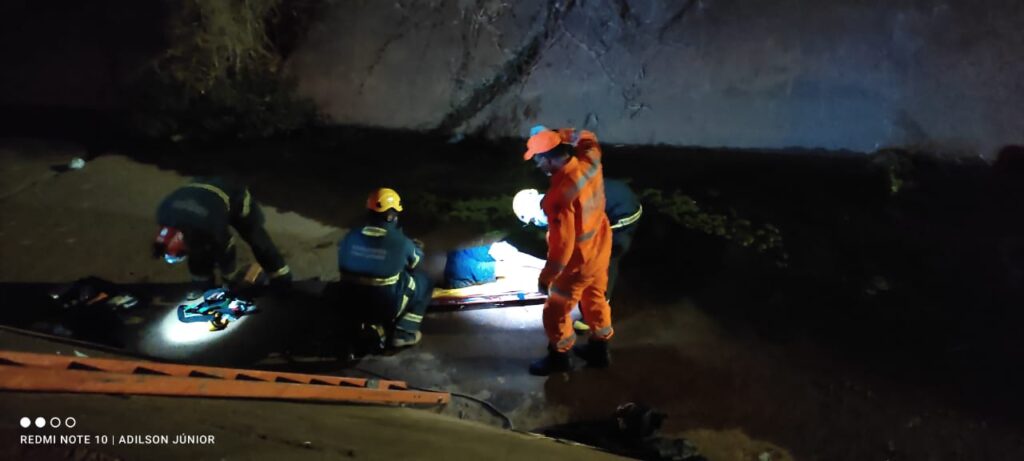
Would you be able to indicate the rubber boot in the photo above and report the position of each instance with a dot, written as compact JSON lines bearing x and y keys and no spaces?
{"x":370,"y":339}
{"x":402,"y":338}
{"x":595,"y":353}
{"x":554,"y":362}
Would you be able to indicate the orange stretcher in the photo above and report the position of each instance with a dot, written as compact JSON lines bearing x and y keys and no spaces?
{"x":29,"y":372}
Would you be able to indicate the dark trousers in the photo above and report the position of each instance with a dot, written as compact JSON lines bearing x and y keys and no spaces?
{"x":252,"y":231}
{"x":207,"y":253}
{"x":400,"y":306}
{"x":622,"y":241}
{"x":411,"y":317}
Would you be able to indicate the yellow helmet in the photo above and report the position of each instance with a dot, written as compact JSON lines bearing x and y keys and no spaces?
{"x":384,"y":199}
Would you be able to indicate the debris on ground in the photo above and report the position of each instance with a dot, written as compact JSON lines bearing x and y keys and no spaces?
{"x":630,"y":431}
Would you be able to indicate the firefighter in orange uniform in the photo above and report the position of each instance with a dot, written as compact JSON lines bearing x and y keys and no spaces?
{"x":579,"y":247}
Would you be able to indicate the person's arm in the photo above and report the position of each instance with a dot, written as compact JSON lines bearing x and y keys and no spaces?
{"x":561,"y":240}
{"x":415,"y":254}
{"x":246,"y":203}
{"x":587,"y":146}
{"x":584,"y":141}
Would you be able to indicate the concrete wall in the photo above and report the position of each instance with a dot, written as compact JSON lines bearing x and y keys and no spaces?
{"x":848,"y":74}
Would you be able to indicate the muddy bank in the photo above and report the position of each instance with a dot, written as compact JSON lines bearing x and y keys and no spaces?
{"x":878,"y":327}
{"x":897,"y":261}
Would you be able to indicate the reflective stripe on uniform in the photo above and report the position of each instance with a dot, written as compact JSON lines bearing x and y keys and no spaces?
{"x":604,"y":332}
{"x":216,"y":190}
{"x":555,"y":290}
{"x":629,"y":219}
{"x":566,"y":342}
{"x":370,"y":281}
{"x":281,"y":272}
{"x":415,"y":318}
{"x":246,"y":202}
{"x":415,"y":260}
{"x":582,"y":181}
{"x":374,"y":231}
{"x":412,"y":284}
{"x":405,"y":300}
{"x":586,"y":236}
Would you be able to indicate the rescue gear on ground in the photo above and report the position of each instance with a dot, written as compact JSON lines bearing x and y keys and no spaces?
{"x":381,"y":276}
{"x":595,"y":353}
{"x":579,"y":243}
{"x":579,"y":326}
{"x":204,"y":211}
{"x":217,"y":306}
{"x":555,"y":362}
{"x":384,"y":199}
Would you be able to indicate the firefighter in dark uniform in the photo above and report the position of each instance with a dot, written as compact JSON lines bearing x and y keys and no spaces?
{"x":195,"y":221}
{"x":624,"y":211}
{"x":380,"y":272}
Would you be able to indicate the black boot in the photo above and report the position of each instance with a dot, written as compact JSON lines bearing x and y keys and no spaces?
{"x":595,"y":353}
{"x":554,"y":362}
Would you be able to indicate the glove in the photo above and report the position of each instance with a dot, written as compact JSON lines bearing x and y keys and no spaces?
{"x":569,"y":136}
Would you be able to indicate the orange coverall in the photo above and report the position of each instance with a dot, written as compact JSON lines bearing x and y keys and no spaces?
{"x":579,"y":246}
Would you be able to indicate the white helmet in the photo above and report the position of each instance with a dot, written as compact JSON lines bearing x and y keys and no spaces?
{"x":526,"y":205}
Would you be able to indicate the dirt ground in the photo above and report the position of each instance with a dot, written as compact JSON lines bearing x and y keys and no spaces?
{"x":736,"y":396}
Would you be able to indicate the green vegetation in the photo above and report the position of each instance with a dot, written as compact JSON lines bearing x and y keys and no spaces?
{"x":895,"y":166}
{"x":486,"y":213}
{"x":221,"y":75}
{"x":494,"y":213}
{"x":684,"y":211}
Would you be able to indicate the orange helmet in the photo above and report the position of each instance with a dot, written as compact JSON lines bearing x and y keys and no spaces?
{"x":384,"y":199}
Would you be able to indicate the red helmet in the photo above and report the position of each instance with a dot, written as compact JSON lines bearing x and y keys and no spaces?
{"x":170,"y":243}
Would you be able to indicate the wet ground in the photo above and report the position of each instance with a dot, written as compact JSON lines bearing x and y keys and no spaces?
{"x":885,"y":333}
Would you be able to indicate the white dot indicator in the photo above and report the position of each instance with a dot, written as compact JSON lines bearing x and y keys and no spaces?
{"x":40,"y":422}
{"x":70,"y":422}
{"x":25,"y":422}
{"x":54,"y":422}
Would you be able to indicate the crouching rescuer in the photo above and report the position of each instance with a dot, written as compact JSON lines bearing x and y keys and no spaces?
{"x":194,"y":226}
{"x":579,"y":247}
{"x":380,"y":271}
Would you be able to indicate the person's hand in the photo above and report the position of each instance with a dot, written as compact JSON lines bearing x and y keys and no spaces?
{"x":569,"y":136}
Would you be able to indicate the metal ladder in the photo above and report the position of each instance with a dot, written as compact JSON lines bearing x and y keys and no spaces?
{"x":22,"y":371}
